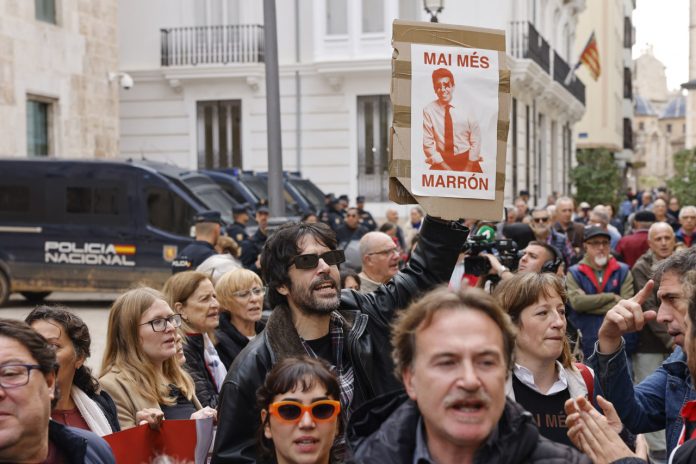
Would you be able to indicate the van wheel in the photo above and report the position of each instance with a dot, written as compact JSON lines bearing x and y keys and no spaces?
{"x":4,"y":289}
{"x":35,"y":297}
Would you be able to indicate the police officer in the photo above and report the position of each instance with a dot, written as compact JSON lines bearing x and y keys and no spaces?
{"x":366,"y":218}
{"x":332,"y":215}
{"x":207,"y":226}
{"x":237,"y":230}
{"x":251,"y":249}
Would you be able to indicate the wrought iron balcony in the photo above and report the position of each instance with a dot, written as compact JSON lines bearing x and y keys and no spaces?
{"x":190,"y":46}
{"x":526,"y":42}
{"x":560,"y":73}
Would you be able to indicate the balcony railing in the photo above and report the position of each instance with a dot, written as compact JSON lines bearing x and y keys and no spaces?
{"x":560,"y":73}
{"x":526,"y":42}
{"x":188,"y":46}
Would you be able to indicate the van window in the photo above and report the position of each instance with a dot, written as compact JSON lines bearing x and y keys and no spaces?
{"x":14,"y":198}
{"x":168,"y":212}
{"x":85,"y":203}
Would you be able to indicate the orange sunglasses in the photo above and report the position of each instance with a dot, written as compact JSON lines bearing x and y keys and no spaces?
{"x":292,"y":411}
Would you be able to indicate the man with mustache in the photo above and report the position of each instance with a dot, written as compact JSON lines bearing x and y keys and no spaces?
{"x":453,"y":351}
{"x":313,"y":317}
{"x":595,"y":285}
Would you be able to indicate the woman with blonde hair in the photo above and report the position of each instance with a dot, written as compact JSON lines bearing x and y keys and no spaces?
{"x":139,"y":369}
{"x":241,"y":294}
{"x":192,"y":295}
{"x":544,"y":374}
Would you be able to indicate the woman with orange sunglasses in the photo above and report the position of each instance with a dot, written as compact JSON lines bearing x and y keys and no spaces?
{"x":300,"y":411}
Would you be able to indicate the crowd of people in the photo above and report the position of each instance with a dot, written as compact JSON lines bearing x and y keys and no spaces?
{"x":336,"y":339}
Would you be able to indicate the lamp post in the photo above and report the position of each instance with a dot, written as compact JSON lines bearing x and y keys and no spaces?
{"x":433,"y":8}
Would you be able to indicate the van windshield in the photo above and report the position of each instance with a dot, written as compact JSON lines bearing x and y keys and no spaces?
{"x":216,"y":199}
{"x":310,"y":191}
{"x":259,"y":187}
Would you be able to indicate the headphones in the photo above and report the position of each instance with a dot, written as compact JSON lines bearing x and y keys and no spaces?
{"x":552,"y":265}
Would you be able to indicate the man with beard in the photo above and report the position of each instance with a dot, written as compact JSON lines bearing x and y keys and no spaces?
{"x":313,"y":317}
{"x":453,"y":352}
{"x":595,"y":285}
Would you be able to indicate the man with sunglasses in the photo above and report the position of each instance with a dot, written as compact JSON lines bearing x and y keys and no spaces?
{"x":542,"y":227}
{"x":595,"y":285}
{"x":312,"y":316}
{"x":27,"y":392}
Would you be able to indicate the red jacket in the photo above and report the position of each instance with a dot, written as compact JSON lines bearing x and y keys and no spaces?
{"x":632,"y":247}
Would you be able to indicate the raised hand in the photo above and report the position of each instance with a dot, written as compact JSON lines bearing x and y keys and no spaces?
{"x":625,"y":317}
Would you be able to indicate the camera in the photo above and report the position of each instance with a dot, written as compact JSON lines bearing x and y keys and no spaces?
{"x":506,"y":251}
{"x":124,"y":79}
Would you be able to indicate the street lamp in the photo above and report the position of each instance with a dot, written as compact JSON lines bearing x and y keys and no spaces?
{"x":433,"y":8}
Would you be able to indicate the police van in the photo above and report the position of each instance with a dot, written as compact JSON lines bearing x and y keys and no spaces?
{"x":95,"y":225}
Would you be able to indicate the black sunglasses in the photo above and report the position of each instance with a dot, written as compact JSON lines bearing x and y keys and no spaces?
{"x":311,"y":260}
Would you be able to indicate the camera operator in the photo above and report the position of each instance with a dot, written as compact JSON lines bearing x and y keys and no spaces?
{"x":537,"y":257}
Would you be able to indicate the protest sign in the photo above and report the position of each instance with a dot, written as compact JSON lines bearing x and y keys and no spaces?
{"x":183,"y":440}
{"x":451,"y":102}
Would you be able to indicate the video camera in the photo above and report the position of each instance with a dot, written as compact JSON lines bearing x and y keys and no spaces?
{"x":506,"y":251}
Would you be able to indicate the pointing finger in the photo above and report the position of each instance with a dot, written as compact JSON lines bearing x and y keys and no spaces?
{"x":644,"y":292}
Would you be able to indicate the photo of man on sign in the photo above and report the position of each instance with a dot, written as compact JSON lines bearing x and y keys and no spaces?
{"x":451,"y":138}
{"x":454,"y":137}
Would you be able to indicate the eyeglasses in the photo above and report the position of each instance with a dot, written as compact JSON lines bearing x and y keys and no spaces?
{"x":351,"y":215}
{"x":292,"y":411}
{"x":311,"y":260}
{"x":160,"y":325}
{"x":16,"y":375}
{"x":598,"y":244}
{"x":390,"y":251}
{"x":244,"y":294}
{"x":540,"y":220}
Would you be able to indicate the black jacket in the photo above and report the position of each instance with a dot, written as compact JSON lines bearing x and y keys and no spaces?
{"x":206,"y":392}
{"x":108,"y":407}
{"x":79,"y":445}
{"x":367,"y":325}
{"x":230,"y":341}
{"x":517,"y":439}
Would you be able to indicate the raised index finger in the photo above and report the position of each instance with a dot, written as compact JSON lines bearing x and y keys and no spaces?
{"x":644,"y":293}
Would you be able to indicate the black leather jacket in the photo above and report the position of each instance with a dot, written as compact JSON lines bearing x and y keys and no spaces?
{"x":195,"y":365}
{"x":367,"y":318}
{"x":517,"y":439}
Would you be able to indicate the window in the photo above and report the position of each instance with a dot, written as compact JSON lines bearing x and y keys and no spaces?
{"x":669,"y":128}
{"x":45,"y":10}
{"x":168,"y":212}
{"x":219,"y":134}
{"x":641,"y":125}
{"x":38,"y":127}
{"x":92,"y":200}
{"x":372,"y":16}
{"x":336,"y":17}
{"x":14,"y":198}
{"x":374,"y":119}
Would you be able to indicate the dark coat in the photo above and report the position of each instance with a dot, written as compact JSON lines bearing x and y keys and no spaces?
{"x":206,"y":392}
{"x":108,"y":407}
{"x":79,"y":445}
{"x":230,"y":341}
{"x":192,"y":256}
{"x":517,"y":441}
{"x":367,"y":327}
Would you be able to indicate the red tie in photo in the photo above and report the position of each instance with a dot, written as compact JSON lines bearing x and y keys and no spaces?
{"x":449,"y":132}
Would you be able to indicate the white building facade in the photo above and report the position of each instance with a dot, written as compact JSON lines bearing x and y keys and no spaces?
{"x":199,"y":94}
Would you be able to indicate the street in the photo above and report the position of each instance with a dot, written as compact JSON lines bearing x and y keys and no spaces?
{"x":93,"y":308}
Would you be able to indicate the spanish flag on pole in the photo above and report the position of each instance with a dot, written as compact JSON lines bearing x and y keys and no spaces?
{"x":589,"y":57}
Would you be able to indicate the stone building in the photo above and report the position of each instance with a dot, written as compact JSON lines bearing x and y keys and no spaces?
{"x":56,"y":98}
{"x":607,"y":122}
{"x":659,"y":124}
{"x":199,"y":94}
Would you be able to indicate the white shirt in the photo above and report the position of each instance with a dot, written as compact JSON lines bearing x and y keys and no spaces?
{"x":526,"y":376}
{"x":466,"y":131}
